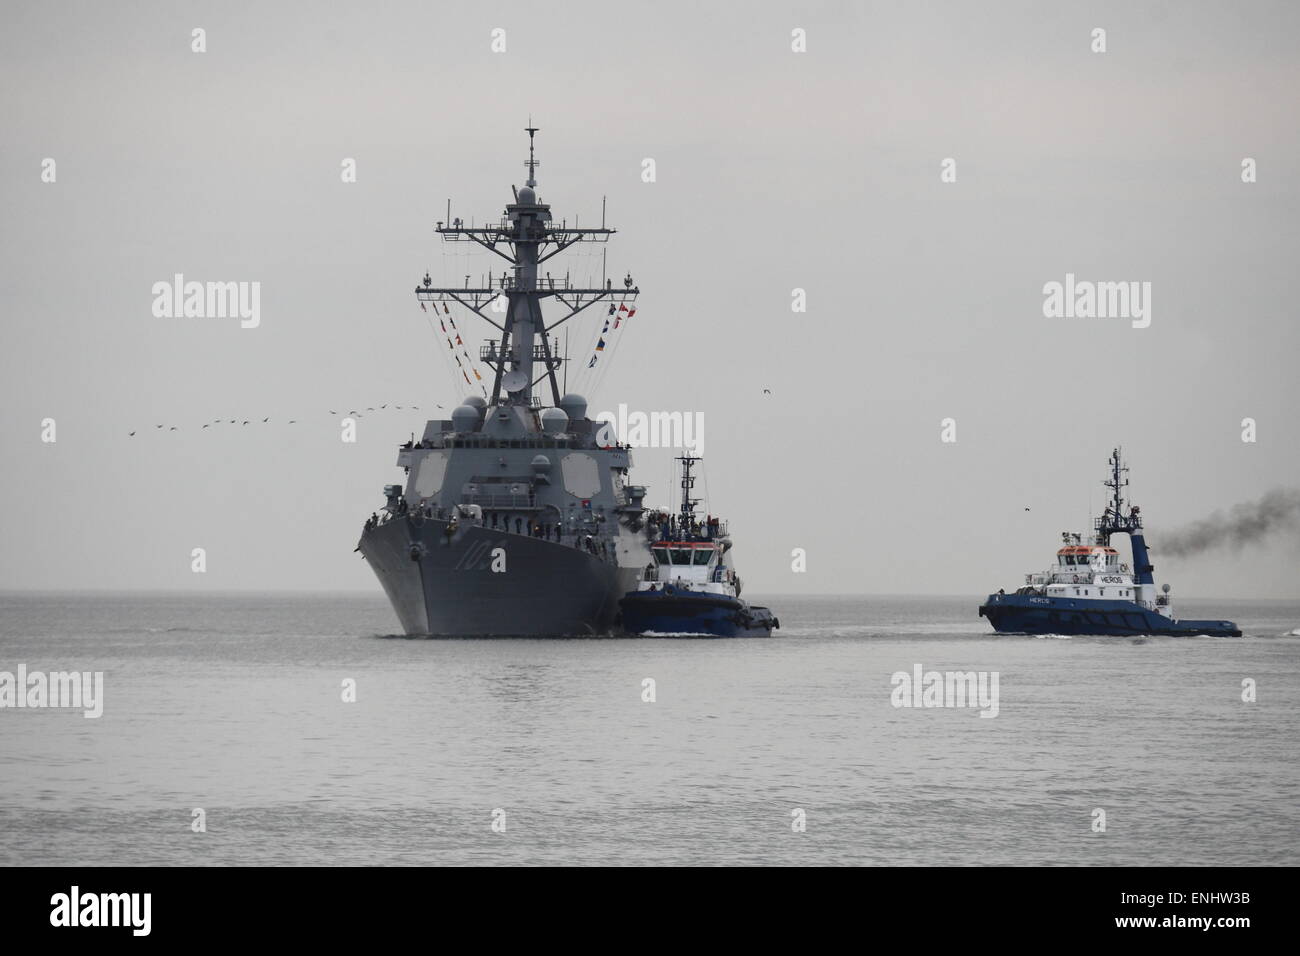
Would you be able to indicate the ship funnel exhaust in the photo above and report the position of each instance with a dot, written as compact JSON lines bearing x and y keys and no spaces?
{"x":1241,"y":526}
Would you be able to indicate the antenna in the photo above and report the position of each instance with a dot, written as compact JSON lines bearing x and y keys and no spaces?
{"x":532,"y":163}
{"x":526,"y":240}
{"x":1116,"y":482}
{"x":1113,"y":519}
{"x":688,"y":482}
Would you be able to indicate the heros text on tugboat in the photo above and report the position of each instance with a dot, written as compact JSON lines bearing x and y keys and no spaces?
{"x":1088,"y":590}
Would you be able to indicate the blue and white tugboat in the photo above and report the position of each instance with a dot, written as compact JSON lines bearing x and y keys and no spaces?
{"x":692,"y":588}
{"x":1088,"y":590}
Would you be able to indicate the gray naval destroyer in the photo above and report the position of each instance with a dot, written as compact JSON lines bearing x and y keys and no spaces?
{"x":517,"y":516}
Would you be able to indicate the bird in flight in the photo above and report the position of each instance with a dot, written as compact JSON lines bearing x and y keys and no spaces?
{"x":173,"y":428}
{"x":767,"y":391}
{"x":265,"y":420}
{"x":207,"y":426}
{"x":132,"y":435}
{"x":245,"y":423}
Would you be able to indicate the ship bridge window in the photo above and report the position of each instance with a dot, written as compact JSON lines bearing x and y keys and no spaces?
{"x":681,"y":556}
{"x":702,"y":555}
{"x":661,"y":555}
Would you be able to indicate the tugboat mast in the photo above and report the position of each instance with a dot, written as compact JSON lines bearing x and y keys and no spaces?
{"x":525,"y":237}
{"x":1114,"y":521}
{"x":688,"y":484}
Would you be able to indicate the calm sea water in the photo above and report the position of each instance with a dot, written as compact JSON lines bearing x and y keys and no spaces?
{"x":233,"y":703}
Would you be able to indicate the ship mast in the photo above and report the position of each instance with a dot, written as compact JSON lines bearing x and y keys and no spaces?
{"x":1114,"y":521}
{"x":688,"y":483}
{"x":525,"y":237}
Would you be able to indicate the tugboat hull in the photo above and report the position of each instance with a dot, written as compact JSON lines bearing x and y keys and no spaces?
{"x":1030,"y":614}
{"x":674,"y":610}
{"x":445,"y":585}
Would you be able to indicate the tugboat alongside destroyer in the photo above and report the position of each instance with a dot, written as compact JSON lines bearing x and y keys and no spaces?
{"x":518,"y":517}
{"x":692,"y":589}
{"x":514,"y":519}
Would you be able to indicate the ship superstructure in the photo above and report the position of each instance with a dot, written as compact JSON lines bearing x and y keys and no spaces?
{"x":1088,"y":590}
{"x":517,"y":515}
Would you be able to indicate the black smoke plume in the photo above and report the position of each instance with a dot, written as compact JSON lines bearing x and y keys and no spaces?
{"x":1242,"y":525}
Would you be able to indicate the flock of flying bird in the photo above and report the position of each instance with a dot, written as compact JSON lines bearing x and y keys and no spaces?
{"x":292,"y":421}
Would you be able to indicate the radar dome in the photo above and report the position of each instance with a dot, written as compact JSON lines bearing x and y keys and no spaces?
{"x":541,"y":464}
{"x":527,"y":197}
{"x":554,"y":421}
{"x":575,"y":406}
{"x":476,"y":402}
{"x":464,"y":418}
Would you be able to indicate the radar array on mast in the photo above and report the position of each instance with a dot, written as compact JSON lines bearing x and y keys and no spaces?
{"x":525,"y":238}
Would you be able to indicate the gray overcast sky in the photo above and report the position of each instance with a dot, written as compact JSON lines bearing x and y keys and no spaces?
{"x":775,"y":170}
